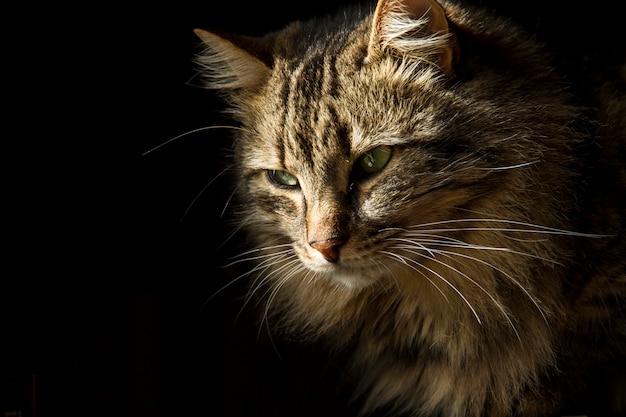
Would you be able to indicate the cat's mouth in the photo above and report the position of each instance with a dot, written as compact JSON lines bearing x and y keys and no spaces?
{"x":351,"y":273}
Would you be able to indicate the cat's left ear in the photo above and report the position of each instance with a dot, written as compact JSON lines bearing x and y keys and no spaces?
{"x":413,"y":29}
{"x":234,"y":62}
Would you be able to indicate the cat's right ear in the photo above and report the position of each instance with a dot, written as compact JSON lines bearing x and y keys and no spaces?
{"x":416,"y":30}
{"x":232,"y":62}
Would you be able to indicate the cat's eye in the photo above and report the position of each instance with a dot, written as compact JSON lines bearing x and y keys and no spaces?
{"x":282,"y":178}
{"x":375,"y":159}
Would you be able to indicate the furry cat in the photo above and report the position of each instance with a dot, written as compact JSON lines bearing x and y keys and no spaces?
{"x":422,"y":190}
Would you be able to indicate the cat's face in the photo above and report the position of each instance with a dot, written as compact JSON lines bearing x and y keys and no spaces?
{"x":336,"y":175}
{"x":341,"y":153}
{"x":362,"y":157}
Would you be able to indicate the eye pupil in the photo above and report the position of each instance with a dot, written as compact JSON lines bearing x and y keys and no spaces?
{"x":375,"y":159}
{"x":283,"y":178}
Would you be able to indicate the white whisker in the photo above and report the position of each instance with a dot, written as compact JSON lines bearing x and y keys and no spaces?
{"x":309,"y":276}
{"x":419,"y":242}
{"x":230,"y":197}
{"x":530,"y":227}
{"x":289,"y":261}
{"x":262,"y":280}
{"x":450,"y":254}
{"x":403,"y":260}
{"x":464,"y":275}
{"x":271,"y":294}
{"x":232,"y":234}
{"x":481,"y":261}
{"x":382,"y":266}
{"x":504,"y":168}
{"x":415,"y":243}
{"x":267,"y":263}
{"x":189,"y":133}
{"x":274,"y":292}
{"x":438,"y":275}
{"x":257,"y":250}
{"x":465,"y":245}
{"x":193,"y":201}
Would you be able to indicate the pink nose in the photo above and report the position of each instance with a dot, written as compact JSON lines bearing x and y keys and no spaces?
{"x":328,"y":248}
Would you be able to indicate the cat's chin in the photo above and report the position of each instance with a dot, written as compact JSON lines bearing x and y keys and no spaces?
{"x":352,"y":278}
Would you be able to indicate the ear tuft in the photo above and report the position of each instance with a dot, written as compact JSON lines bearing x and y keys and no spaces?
{"x":413,"y":29}
{"x":230,"y":62}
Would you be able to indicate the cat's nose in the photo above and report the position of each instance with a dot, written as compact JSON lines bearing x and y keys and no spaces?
{"x":328,"y":248}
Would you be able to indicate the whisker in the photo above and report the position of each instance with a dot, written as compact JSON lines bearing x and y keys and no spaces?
{"x":294,"y":270}
{"x":189,"y":133}
{"x":267,"y":263}
{"x":269,"y":336}
{"x":381,"y":265}
{"x":508,"y":229}
{"x":464,"y":275}
{"x":310,"y":276}
{"x":202,"y":192}
{"x":256,"y":250}
{"x":228,"y":203}
{"x":272,"y":292}
{"x":444,"y":241}
{"x":504,"y":168}
{"x":276,"y":288}
{"x":419,"y":244}
{"x":531,"y":228}
{"x":232,"y":234}
{"x":465,"y":245}
{"x":289,"y":262}
{"x":404,"y":260}
{"x":450,"y":254}
{"x":263,"y":280}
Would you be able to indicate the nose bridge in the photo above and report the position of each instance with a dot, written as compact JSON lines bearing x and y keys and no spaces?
{"x":326,"y":218}
{"x":327,"y":212}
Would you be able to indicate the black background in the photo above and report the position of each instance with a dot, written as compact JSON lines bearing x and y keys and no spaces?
{"x":103,"y":295}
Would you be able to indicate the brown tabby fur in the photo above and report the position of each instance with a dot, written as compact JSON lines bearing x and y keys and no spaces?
{"x":482,"y":271}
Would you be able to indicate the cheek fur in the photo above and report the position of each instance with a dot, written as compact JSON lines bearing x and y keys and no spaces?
{"x":280,"y":210}
{"x":277,"y":205}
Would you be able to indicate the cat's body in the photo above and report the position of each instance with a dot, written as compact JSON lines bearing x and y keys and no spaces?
{"x":421,"y":190}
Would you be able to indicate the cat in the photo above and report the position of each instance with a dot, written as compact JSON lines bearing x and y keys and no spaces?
{"x":423,"y":190}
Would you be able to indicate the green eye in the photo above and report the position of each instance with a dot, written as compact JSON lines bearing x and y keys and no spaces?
{"x":282,"y":178}
{"x":375,"y":159}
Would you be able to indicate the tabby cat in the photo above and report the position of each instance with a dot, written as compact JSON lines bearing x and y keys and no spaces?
{"x":423,"y":191}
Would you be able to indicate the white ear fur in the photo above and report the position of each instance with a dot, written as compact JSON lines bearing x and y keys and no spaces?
{"x":225,"y":65}
{"x":413,"y":29}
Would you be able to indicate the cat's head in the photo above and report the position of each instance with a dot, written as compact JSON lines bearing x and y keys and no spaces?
{"x":357,"y":136}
